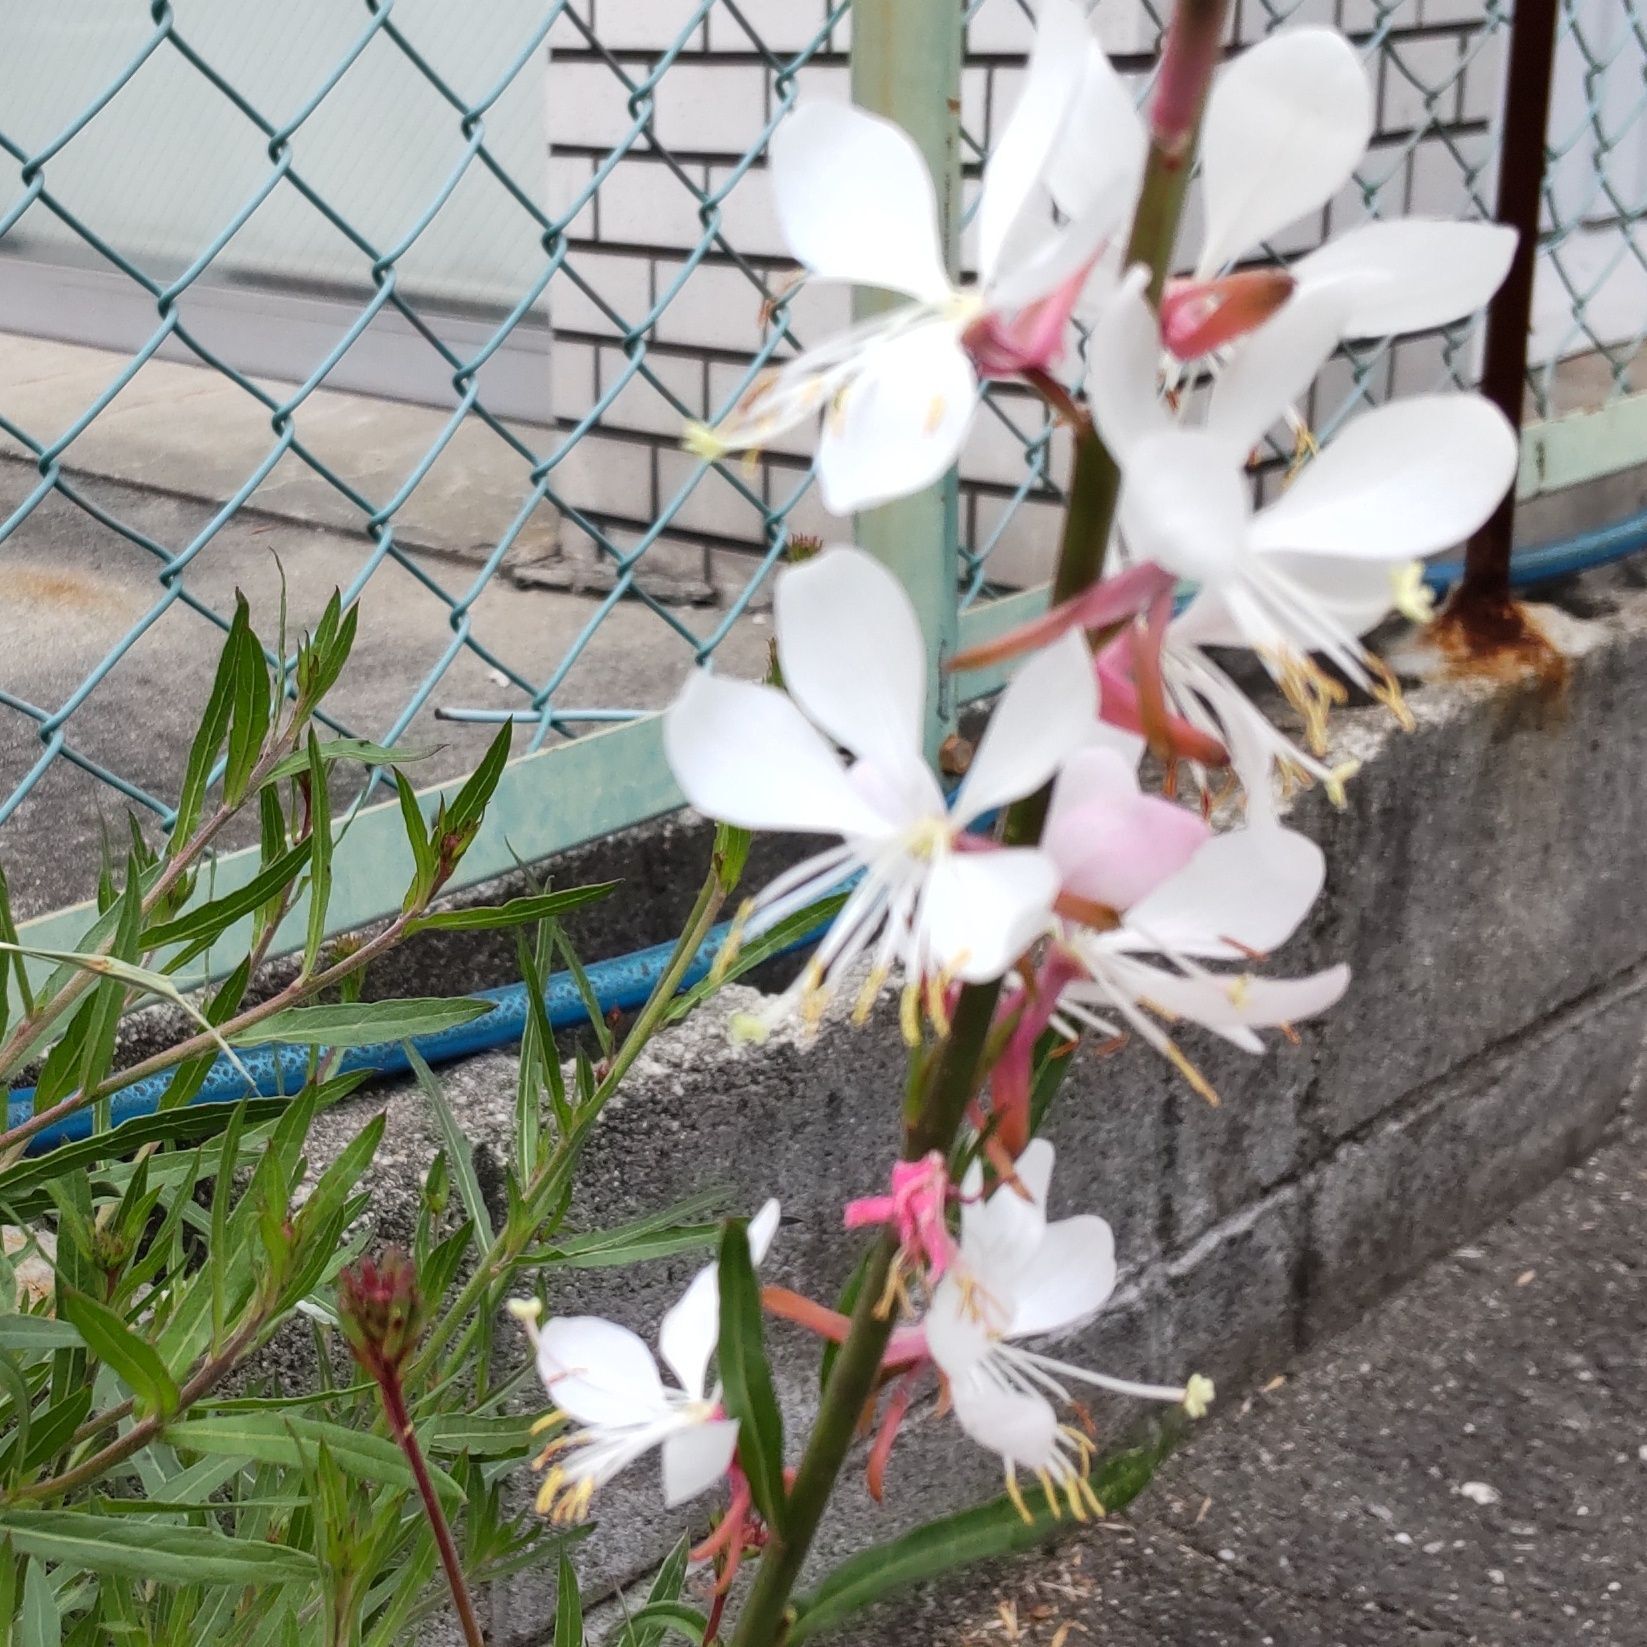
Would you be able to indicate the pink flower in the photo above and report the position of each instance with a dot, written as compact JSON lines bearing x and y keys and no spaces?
{"x":914,"y":1211}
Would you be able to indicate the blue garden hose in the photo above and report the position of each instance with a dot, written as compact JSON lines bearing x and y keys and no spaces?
{"x":626,"y":981}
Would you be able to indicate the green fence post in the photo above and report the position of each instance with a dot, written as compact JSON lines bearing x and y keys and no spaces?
{"x":906,"y":65}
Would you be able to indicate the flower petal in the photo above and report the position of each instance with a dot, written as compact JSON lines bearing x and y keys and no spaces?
{"x":597,"y":1372}
{"x":696,"y":1457}
{"x":689,"y":1330}
{"x":1046,"y":712}
{"x":1185,"y":504}
{"x":956,"y":1336}
{"x":1233,"y":1004}
{"x":855,"y":201}
{"x":1069,"y":1279}
{"x":1125,"y":356}
{"x":1411,"y":273}
{"x":1099,"y":159}
{"x":747,"y":755}
{"x":1285,"y":124}
{"x":1000,"y":1236}
{"x":1243,"y":892}
{"x":1112,"y":844}
{"x":762,"y":1228}
{"x":1412,"y":477}
{"x":1013,"y":188}
{"x":852,"y":655}
{"x":1021,"y":1425}
{"x":901,"y":422}
{"x":1271,"y":370}
{"x":982,"y":910}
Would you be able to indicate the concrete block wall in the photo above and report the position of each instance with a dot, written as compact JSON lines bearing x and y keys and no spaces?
{"x":1487,"y":884}
{"x":656,"y":314}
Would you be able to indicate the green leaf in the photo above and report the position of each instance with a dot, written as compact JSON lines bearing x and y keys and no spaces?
{"x":665,"y":1592}
{"x":208,"y":740}
{"x":209,"y":920}
{"x":250,"y":707}
{"x":425,"y":855}
{"x":586,"y":993}
{"x":31,"y":1334}
{"x":517,"y":912}
{"x":288,"y":1438}
{"x":149,"y":1550}
{"x":118,"y":1347}
{"x":456,"y":1433}
{"x":459,"y":1153}
{"x":38,"y":1624}
{"x":334,"y":750}
{"x":991,"y":1530}
{"x":568,"y":1607}
{"x":471,"y":800}
{"x":320,"y":861}
{"x":730,"y":855}
{"x":746,"y":1377}
{"x":364,"y":1023}
{"x":663,"y":1616}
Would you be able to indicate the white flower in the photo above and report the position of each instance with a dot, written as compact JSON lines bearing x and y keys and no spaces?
{"x":1317,"y":568}
{"x":604,"y":1378}
{"x":32,"y":1256}
{"x":1018,"y":1276}
{"x":1237,"y":897}
{"x":855,"y":203}
{"x":854,"y":664}
{"x":1286,"y":124}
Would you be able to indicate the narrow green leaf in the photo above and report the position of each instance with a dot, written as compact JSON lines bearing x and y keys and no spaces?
{"x":459,"y":1153}
{"x":664,"y":1616}
{"x":8,"y":935}
{"x":746,"y":1376}
{"x":130,"y":1356}
{"x":38,"y":1624}
{"x":991,"y":1530}
{"x":648,"y":1631}
{"x":36,"y":1334}
{"x":288,"y":1438}
{"x":425,"y":855}
{"x":586,"y":993}
{"x":456,"y":1433}
{"x":208,"y":740}
{"x":792,"y":930}
{"x":517,"y":912}
{"x":730,"y":855}
{"x":333,"y":751}
{"x":471,"y":800}
{"x":320,"y":860}
{"x":251,"y":709}
{"x":568,"y":1607}
{"x":209,"y":920}
{"x":364,"y":1023}
{"x":150,"y":1550}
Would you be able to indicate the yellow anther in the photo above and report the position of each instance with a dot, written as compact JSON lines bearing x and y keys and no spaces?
{"x":1094,"y":1503}
{"x":1198,"y":1396}
{"x":869,"y":994}
{"x":1388,"y":693}
{"x":1310,"y":690}
{"x":909,"y":1015}
{"x":937,"y":1009}
{"x":749,"y":1028}
{"x":734,"y":943}
{"x":1336,"y":780}
{"x":935,"y":415}
{"x":1050,"y":1493}
{"x":1412,"y":596}
{"x":702,"y":442}
{"x":1015,"y":1493}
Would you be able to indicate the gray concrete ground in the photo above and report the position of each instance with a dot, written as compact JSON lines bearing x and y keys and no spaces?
{"x":1467,"y":1467}
{"x":70,"y":589}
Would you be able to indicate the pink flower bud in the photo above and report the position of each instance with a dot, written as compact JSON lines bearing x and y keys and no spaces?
{"x":381,"y":1310}
{"x":1032,"y":340}
{"x":1199,"y":316}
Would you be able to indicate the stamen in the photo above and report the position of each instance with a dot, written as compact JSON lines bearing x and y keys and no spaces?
{"x":1388,"y":692}
{"x":909,"y":1015}
{"x":1050,"y":1493}
{"x":1015,"y":1493}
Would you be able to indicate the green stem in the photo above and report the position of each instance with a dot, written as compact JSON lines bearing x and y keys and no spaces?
{"x":941,"y":1100}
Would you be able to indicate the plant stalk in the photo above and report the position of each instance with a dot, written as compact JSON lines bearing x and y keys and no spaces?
{"x":941,"y":1101}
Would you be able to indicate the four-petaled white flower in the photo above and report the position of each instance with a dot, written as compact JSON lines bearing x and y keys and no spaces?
{"x":1321,"y":565}
{"x":856,"y":204}
{"x":1018,"y":1276}
{"x":605,"y":1379}
{"x":1233,"y":897}
{"x":933,"y":904}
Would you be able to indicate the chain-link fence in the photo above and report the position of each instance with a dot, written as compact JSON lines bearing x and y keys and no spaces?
{"x":415,"y":300}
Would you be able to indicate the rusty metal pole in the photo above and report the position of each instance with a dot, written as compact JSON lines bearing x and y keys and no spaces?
{"x":1485,"y":588}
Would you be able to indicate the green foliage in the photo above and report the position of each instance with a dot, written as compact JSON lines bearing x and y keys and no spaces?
{"x":746,"y":1377}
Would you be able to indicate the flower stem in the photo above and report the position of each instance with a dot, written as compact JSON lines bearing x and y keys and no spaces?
{"x":938,"y":1103}
{"x":400,"y":1425}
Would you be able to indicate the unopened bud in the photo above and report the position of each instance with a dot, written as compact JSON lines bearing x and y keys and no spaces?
{"x":381,"y":1310}
{"x":1200,"y":316}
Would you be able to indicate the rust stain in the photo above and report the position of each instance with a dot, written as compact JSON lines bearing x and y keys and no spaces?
{"x":62,"y":591}
{"x":1498,"y":639}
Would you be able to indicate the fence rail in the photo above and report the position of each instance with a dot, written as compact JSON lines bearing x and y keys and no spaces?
{"x":443,"y":297}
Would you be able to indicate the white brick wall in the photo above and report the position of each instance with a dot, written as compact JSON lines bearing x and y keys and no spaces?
{"x":637,"y":236}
